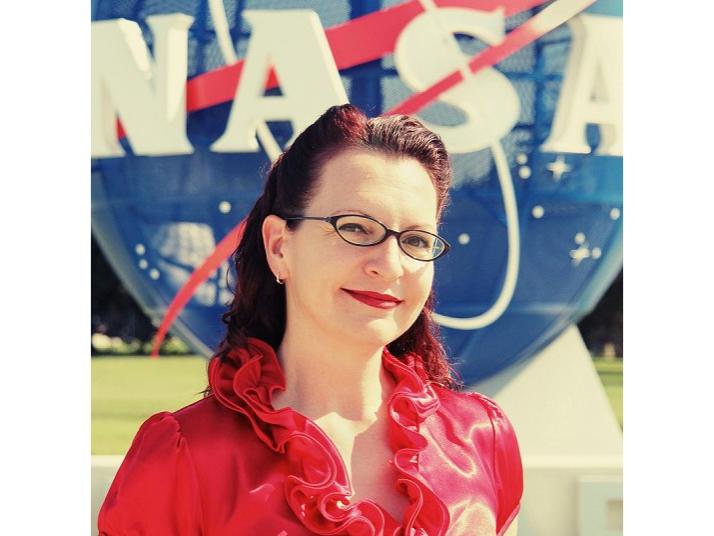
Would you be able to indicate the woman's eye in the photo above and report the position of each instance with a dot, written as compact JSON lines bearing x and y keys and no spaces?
{"x":417,"y":242}
{"x":352,"y":228}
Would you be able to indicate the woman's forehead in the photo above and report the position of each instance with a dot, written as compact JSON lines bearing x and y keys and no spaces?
{"x":378,"y":183}
{"x":371,"y":162}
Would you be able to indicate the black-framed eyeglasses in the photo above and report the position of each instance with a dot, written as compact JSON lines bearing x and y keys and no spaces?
{"x":363,"y":231}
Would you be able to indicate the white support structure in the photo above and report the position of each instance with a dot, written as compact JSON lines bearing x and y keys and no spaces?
{"x":104,"y":467}
{"x":570,"y":441}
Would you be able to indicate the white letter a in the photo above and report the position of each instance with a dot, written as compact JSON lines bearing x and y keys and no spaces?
{"x":294,"y":44}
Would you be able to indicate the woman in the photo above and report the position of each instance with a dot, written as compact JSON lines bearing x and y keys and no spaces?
{"x":331,"y":407}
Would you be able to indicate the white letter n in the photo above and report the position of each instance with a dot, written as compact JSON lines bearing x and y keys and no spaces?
{"x":149,"y":96}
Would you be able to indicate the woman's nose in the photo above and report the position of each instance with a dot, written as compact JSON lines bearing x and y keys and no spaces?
{"x":387,"y":259}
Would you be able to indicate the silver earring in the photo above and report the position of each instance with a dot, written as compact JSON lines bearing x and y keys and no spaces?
{"x":277,"y":279}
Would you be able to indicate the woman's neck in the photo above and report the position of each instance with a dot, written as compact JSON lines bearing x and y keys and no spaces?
{"x":332,"y":379}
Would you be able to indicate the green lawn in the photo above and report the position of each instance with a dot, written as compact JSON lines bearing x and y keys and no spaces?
{"x":611,"y":376}
{"x":127,"y":390}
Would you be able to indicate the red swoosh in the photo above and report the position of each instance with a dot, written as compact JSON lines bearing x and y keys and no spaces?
{"x":223,"y":251}
{"x":204,"y":91}
{"x":537,"y":26}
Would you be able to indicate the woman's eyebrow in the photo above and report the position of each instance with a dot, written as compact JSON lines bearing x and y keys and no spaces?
{"x":422,"y":226}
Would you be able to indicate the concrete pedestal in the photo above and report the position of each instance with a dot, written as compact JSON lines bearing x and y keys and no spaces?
{"x":570,"y":441}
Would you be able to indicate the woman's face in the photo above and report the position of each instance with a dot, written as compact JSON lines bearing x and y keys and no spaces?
{"x":322,"y":268}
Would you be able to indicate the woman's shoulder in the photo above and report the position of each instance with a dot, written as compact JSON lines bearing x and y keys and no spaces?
{"x":479,"y":417}
{"x":204,"y":429}
{"x":206,"y":424}
{"x":194,"y":417}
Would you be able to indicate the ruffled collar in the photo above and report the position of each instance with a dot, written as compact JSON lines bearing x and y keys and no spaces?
{"x":317,"y":488}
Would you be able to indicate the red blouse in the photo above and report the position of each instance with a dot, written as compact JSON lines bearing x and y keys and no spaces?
{"x":230,"y":464}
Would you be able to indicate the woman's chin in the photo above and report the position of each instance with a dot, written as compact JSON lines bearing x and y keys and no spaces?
{"x":374,"y":332}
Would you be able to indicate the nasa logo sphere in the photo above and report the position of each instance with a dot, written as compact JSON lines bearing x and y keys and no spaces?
{"x":191,"y":101}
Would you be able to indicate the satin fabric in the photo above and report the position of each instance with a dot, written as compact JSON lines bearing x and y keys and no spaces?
{"x":230,"y":464}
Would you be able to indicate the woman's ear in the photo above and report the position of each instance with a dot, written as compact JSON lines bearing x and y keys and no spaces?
{"x":275,"y":236}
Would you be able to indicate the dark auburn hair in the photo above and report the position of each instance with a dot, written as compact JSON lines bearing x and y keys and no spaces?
{"x":258,"y":306}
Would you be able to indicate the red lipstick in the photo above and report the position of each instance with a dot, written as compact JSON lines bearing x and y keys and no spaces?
{"x":375,"y":299}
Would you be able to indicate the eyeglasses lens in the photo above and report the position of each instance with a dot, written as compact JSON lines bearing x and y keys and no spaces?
{"x":359,"y":230}
{"x":363,"y":231}
{"x":421,"y":245}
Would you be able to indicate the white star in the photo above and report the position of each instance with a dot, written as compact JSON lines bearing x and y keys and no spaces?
{"x":558,"y":167}
{"x":578,"y":255}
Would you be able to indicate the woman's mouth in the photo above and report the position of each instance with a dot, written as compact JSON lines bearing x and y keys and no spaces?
{"x":380,"y":301}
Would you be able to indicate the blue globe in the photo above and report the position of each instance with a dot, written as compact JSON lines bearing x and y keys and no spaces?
{"x":157,"y":218}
